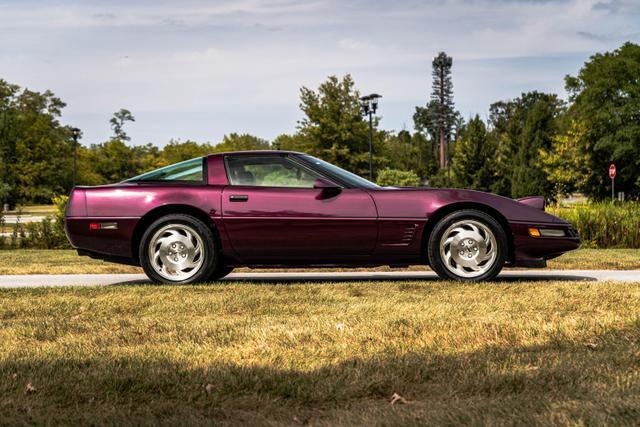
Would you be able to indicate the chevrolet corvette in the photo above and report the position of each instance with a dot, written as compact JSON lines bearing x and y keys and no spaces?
{"x":197,"y":220}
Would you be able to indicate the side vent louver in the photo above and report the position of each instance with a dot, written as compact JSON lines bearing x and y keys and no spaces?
{"x":409,"y":233}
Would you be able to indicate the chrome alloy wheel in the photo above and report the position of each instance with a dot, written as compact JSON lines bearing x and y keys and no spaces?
{"x":468,"y":248}
{"x":176,"y":252}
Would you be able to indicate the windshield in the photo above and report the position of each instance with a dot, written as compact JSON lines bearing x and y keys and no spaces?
{"x":332,"y":171}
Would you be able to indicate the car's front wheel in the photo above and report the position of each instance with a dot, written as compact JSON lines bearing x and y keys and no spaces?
{"x":467,"y":245}
{"x":178,"y":248}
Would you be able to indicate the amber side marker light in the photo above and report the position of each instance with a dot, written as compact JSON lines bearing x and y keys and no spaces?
{"x":546,"y":232}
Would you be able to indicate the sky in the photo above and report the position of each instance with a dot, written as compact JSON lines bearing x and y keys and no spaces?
{"x":201,"y":69}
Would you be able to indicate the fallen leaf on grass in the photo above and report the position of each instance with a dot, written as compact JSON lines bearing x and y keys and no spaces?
{"x":340,"y":326}
{"x":591,"y":345}
{"x":29,"y":389}
{"x":531,"y":368}
{"x":396,"y":398}
{"x":210,"y":388}
{"x":303,"y":421}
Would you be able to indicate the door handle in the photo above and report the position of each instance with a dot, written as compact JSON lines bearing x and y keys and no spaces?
{"x":238,"y":198}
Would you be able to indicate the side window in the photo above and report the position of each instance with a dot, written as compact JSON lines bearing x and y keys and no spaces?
{"x":269,"y":171}
{"x":189,"y":171}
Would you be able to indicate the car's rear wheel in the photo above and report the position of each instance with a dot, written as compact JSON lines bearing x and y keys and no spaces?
{"x":178,"y":248}
{"x":467,"y":245}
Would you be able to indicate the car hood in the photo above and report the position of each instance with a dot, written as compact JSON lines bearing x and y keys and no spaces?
{"x":420,"y":201}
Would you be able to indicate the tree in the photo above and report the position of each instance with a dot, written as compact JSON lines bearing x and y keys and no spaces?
{"x":505,"y":129}
{"x":8,"y":137}
{"x":35,"y":148}
{"x":334,"y":126}
{"x":443,"y":96}
{"x":521,"y":128}
{"x":114,"y":161}
{"x":567,"y":161}
{"x":118,"y":120}
{"x":397,"y":178}
{"x":241,"y":142}
{"x":472,"y":157}
{"x":295,"y":142}
{"x":409,"y":152}
{"x":423,"y":122}
{"x":538,"y":131}
{"x":178,"y":151}
{"x":605,"y":97}
{"x":438,"y":116}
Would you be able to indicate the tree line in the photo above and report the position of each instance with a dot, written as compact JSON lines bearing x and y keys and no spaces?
{"x":536,"y":143}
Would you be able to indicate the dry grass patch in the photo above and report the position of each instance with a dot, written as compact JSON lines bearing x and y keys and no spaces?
{"x":542,"y":353}
{"x":56,"y":261}
{"x":598,"y":259}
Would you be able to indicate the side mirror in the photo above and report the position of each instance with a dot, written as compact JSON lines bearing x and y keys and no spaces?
{"x":329,"y":189}
{"x":323,"y":184}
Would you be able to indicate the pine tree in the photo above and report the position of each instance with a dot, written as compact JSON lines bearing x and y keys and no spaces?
{"x":529,"y":177}
{"x":442,"y":96}
{"x":472,"y":157}
{"x":438,"y":119}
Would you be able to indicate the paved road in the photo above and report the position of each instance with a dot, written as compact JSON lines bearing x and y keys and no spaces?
{"x":57,"y":280}
{"x":12,"y":219}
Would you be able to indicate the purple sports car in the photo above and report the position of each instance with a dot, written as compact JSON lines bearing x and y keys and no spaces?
{"x":197,"y":220}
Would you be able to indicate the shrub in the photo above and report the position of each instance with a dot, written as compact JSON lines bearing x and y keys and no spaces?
{"x":604,"y":224}
{"x":48,"y":234}
{"x":398,"y":178}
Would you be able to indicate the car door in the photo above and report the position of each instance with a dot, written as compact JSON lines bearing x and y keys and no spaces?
{"x":273,"y":214}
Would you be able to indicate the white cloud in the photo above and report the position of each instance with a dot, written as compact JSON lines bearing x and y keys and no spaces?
{"x":241,"y":60}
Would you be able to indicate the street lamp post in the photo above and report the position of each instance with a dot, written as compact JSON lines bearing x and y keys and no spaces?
{"x":75,"y":134}
{"x":370,"y":106}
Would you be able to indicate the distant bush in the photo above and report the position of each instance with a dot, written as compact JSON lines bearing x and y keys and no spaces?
{"x":603,"y":224}
{"x":600,"y":225}
{"x":398,"y":178}
{"x":48,"y":234}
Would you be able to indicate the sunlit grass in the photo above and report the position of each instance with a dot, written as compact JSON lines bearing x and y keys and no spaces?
{"x":56,"y":261}
{"x":323,"y":353}
{"x":33,"y":210}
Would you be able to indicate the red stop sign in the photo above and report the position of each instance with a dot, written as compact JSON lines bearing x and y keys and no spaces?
{"x":612,"y":171}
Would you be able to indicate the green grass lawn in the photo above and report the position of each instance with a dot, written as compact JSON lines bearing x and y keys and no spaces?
{"x":68,"y":262}
{"x":543,"y":353}
{"x":33,"y":210}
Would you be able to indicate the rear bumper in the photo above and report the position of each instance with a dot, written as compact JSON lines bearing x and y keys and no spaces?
{"x":109,"y":258}
{"x":114,"y":243}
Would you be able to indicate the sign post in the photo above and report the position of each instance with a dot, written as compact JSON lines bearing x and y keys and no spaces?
{"x":612,"y":175}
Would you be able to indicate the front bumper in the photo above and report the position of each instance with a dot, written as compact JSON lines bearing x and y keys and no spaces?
{"x":533,"y":252}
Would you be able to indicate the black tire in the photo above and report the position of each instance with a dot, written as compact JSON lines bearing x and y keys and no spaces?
{"x":210,"y":262}
{"x":436,"y":260}
{"x":220,"y":272}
